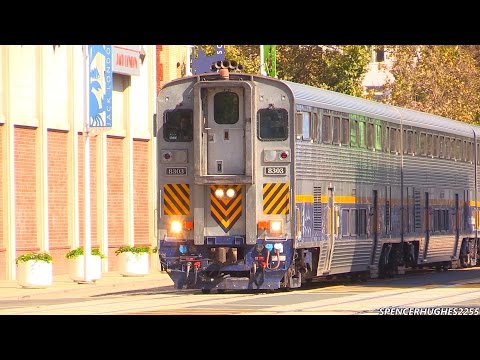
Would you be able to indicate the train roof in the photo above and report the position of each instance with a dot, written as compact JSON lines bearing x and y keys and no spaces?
{"x":312,"y":96}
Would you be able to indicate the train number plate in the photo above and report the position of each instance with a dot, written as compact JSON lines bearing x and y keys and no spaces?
{"x":175,"y":171}
{"x":275,"y":170}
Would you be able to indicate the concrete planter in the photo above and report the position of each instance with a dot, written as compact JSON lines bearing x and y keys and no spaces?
{"x":76,"y":268}
{"x":34,"y":274}
{"x":134,"y":264}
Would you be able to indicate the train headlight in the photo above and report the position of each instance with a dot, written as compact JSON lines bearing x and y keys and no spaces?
{"x":176,"y":226}
{"x":219,"y":193}
{"x":270,"y":155}
{"x":230,"y":193}
{"x":275,"y":226}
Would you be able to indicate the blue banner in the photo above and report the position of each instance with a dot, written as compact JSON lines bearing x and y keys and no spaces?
{"x":203,"y":63}
{"x":100,"y":85}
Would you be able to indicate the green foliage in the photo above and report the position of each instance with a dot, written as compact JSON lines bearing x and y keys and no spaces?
{"x":133,"y":249}
{"x":247,"y":55}
{"x":338,"y":68}
{"x":34,"y":256}
{"x":443,"y":80}
{"x":79,"y":251}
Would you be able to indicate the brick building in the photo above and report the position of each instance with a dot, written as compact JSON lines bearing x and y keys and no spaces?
{"x":42,"y":142}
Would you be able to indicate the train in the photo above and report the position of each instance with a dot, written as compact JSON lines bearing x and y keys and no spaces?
{"x":267,"y":184}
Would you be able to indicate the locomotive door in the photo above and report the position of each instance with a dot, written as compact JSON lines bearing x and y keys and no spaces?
{"x":225,"y":132}
{"x":225,"y":128}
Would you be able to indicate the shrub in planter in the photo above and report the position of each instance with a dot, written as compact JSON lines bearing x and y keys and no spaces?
{"x":76,"y":264}
{"x":134,"y":260}
{"x":34,"y":270}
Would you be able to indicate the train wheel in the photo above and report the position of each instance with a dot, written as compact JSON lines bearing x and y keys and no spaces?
{"x":206,"y":291}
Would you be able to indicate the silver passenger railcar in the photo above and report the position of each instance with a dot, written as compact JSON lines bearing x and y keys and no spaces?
{"x":264,"y":183}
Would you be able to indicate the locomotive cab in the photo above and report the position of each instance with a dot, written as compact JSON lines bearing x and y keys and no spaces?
{"x":226,"y":216}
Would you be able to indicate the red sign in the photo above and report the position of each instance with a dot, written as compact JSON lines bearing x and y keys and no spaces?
{"x":126,"y":59}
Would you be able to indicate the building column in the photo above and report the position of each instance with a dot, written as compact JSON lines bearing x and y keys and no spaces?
{"x":76,"y":112}
{"x":9,"y":172}
{"x":102,"y":197}
{"x":42,"y":163}
{"x":128,"y":169}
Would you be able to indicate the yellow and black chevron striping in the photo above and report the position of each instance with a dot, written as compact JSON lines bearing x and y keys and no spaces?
{"x":176,"y":199}
{"x":226,"y":211}
{"x":276,"y":198}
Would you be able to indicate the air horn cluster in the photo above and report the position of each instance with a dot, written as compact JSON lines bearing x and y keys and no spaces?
{"x":231,"y":65}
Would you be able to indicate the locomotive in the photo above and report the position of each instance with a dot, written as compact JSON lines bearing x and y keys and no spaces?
{"x":267,"y":184}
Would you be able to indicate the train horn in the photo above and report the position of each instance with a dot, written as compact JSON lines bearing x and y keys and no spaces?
{"x":233,"y":65}
{"x":230,"y":65}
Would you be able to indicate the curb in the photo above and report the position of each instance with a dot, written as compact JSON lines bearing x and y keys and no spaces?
{"x":10,"y":290}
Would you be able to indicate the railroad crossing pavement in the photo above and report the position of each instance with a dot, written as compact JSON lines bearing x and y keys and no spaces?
{"x":63,"y":286}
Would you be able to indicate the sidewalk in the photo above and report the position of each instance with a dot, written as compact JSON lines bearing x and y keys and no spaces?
{"x":63,"y":286}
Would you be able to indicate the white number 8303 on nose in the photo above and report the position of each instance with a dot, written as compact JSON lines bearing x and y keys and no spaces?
{"x":275,"y":170}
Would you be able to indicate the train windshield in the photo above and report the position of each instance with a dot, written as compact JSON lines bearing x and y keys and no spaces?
{"x":272,"y":124}
{"x":178,"y":126}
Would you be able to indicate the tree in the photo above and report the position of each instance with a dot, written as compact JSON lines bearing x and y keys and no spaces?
{"x":443,"y":80}
{"x":338,"y":68}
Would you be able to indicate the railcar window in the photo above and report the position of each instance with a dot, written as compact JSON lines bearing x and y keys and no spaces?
{"x":336,"y":130}
{"x":362,"y":221}
{"x":345,"y":213}
{"x":314,"y":126}
{"x":226,"y":108}
{"x":458,"y":150}
{"x":273,"y":124}
{"x":370,"y":136}
{"x":440,"y":220}
{"x":361,"y":134}
{"x":345,"y":131}
{"x":354,"y":222}
{"x":327,"y":129}
{"x":435,"y":145}
{"x":429,"y":145}
{"x":307,"y":116}
{"x":178,"y":126}
{"x":378,"y":136}
{"x":393,"y":142}
{"x":441,"y":151}
{"x":478,"y":153}
{"x":410,"y":145}
{"x":422,"y":144}
{"x":386,"y":139}
{"x":448,"y":148}
{"x":466,"y":150}
{"x":353,"y":132}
